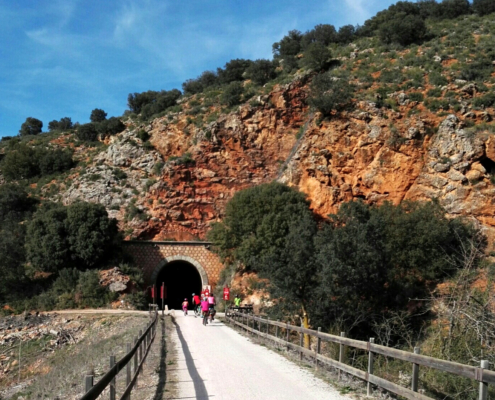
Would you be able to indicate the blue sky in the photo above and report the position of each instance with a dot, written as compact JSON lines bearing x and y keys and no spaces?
{"x":63,"y":58}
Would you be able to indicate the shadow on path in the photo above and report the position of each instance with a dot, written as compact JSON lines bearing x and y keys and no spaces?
{"x":162,"y":374}
{"x":199,"y":386}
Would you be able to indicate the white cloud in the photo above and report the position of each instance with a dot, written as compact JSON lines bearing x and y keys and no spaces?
{"x":358,"y":9}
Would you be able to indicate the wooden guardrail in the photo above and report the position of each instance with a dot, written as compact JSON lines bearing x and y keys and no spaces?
{"x":480,"y":374}
{"x":136,"y":353}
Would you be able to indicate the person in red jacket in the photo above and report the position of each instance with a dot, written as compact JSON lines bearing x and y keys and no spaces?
{"x":196,"y":302}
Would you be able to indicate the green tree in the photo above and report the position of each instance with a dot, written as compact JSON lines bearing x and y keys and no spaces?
{"x":62,"y":125}
{"x":31,"y":126}
{"x":323,"y":34}
{"x":403,"y":29}
{"x":90,"y":293}
{"x":261,"y":71}
{"x":483,"y":7}
{"x":87,"y":132}
{"x":110,"y":127}
{"x":98,"y":115}
{"x":290,"y":45}
{"x":233,"y":70}
{"x":328,"y":93}
{"x":232,"y":94}
{"x":375,"y":259}
{"x":317,"y":56}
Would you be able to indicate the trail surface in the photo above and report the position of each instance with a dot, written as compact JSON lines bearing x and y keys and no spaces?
{"x":215,"y":362}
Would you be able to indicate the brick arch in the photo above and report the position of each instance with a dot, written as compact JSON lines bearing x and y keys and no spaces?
{"x":190,"y":260}
{"x":152,"y":256}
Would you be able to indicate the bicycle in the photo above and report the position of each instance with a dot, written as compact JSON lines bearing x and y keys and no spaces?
{"x":185,"y":310}
{"x":212,"y":313}
{"x":197,"y":311}
{"x":205,"y":317}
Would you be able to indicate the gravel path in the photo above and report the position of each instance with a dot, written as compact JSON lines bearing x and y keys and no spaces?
{"x":218,"y":363}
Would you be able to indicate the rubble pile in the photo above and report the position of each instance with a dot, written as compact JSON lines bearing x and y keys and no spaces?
{"x":56,"y":330}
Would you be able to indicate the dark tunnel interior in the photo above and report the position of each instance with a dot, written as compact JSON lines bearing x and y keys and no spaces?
{"x":181,"y":279}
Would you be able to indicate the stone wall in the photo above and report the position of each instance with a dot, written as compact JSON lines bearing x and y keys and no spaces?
{"x":153,"y":256}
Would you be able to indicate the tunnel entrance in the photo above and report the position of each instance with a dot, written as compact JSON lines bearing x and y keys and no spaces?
{"x":182,"y":279}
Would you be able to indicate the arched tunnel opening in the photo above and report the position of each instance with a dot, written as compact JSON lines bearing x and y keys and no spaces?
{"x":182,"y":279}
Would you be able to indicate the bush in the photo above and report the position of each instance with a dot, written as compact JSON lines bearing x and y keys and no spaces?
{"x":436,"y":92}
{"x":261,"y":71}
{"x":89,"y":291}
{"x":403,"y":29}
{"x":487,"y":100}
{"x":24,"y":162}
{"x":232,"y":94}
{"x":31,"y":126}
{"x":62,"y":125}
{"x":483,"y":7}
{"x":317,"y":57}
{"x":323,"y":34}
{"x":233,"y":70}
{"x":328,"y":93}
{"x":290,"y":45}
{"x":480,"y":69}
{"x":416,"y":96}
{"x":98,"y":115}
{"x":437,"y":79}
{"x":110,"y":127}
{"x":450,"y":9}
{"x":346,"y":34}
{"x":87,"y":132}
{"x":205,"y":80}
{"x":157,"y":101}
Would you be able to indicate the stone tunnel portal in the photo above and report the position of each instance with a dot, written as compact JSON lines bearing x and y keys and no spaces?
{"x":181,"y":279}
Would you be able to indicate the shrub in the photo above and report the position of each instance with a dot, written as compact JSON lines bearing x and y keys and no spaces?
{"x":232,"y":94}
{"x":450,"y":9}
{"x":328,"y":93}
{"x":98,"y":115}
{"x":31,"y":126}
{"x":261,"y":71}
{"x":477,"y":70}
{"x":89,"y":291}
{"x":290,"y":45}
{"x":483,"y":7}
{"x":233,"y":70}
{"x":205,"y":80}
{"x":436,"y":92}
{"x":416,"y":96}
{"x":143,"y":135}
{"x":437,"y":79}
{"x":403,"y":29}
{"x":487,"y":100}
{"x":87,"y":132}
{"x":158,"y":101}
{"x":346,"y":34}
{"x":317,"y":56}
{"x":110,"y":127}
{"x":62,"y":125}
{"x":323,"y":34}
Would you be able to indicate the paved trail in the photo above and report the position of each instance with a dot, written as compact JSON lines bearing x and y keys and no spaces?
{"x":217,"y":363}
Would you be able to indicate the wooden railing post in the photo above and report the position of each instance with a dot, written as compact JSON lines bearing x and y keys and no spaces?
{"x":114,"y":380}
{"x":88,"y":383}
{"x":483,"y":385}
{"x":276,"y":329}
{"x":140,"y":347}
{"x":287,"y":334}
{"x":317,"y":348}
{"x":301,"y":343}
{"x":370,"y":367}
{"x":415,"y":373}
{"x":341,"y":353}
{"x":136,"y":358}
{"x":128,"y":370}
{"x":267,"y":326}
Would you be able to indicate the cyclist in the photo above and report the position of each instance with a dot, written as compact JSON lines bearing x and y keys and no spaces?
{"x":196,"y":302}
{"x":211,"y":305}
{"x":205,"y":308}
{"x":237,"y":300}
{"x":185,"y":305}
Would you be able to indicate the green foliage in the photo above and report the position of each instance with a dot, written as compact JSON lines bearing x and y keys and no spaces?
{"x":31,"y":126}
{"x":63,"y":125}
{"x":290,"y":45}
{"x":80,"y":235}
{"x":89,"y":291}
{"x":416,"y":96}
{"x":23,"y":161}
{"x":143,"y":135}
{"x":152,"y":102}
{"x":483,"y":7}
{"x":317,"y":56}
{"x":257,"y":221}
{"x":328,"y":93}
{"x":110,"y":127}
{"x":323,"y":34}
{"x":479,"y":69}
{"x":437,"y":79}
{"x":403,"y":29}
{"x":261,"y":71}
{"x":374,"y":259}
{"x":233,"y":71}
{"x":98,"y":115}
{"x":232,"y":94}
{"x":436,"y":92}
{"x":87,"y":132}
{"x":205,"y":80}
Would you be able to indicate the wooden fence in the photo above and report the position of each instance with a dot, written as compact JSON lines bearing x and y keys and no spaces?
{"x":136,"y":353}
{"x":282,"y":337}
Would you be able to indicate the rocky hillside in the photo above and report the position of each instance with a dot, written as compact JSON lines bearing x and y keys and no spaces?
{"x":419,"y":127}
